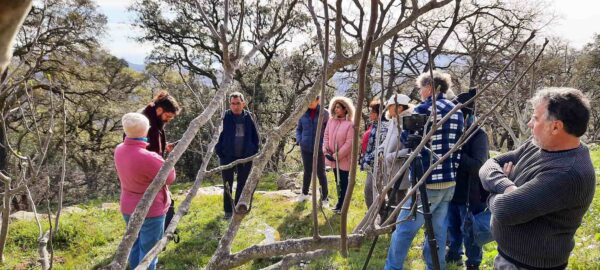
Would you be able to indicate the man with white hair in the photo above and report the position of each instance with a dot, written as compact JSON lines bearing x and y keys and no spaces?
{"x":440,"y":183}
{"x":136,"y":167}
{"x":540,"y":192}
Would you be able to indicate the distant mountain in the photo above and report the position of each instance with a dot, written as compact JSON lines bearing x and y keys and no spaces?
{"x":136,"y":67}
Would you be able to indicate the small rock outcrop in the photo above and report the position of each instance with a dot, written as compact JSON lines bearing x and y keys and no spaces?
{"x":289,"y":181}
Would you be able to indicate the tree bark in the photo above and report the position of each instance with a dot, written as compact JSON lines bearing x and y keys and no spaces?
{"x":362,"y":77}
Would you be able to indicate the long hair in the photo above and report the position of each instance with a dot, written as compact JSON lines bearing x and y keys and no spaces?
{"x":165,"y":101}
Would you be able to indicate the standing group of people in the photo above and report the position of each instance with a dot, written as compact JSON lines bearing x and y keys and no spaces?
{"x":537,"y":194}
{"x":335,"y":146}
{"x":137,"y":161}
{"x":383,"y":147}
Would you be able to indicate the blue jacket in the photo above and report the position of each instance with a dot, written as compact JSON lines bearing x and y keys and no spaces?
{"x":306,"y":129}
{"x":443,"y":139}
{"x":225,"y":148}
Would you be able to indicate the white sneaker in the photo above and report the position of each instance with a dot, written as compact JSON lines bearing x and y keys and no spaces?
{"x":302,"y":198}
{"x":325,"y":203}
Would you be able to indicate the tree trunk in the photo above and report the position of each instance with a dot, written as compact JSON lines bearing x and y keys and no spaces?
{"x":5,"y":221}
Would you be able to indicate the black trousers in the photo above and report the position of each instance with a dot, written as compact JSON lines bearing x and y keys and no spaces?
{"x":243,"y":170}
{"x":307,"y":160}
{"x":342,"y":186}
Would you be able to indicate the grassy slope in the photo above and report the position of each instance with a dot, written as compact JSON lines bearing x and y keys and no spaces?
{"x":87,"y":240}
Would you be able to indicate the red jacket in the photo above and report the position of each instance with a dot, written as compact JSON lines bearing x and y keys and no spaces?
{"x":365,"y":139}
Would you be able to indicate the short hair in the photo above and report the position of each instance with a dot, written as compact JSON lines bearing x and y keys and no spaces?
{"x":375,"y":105}
{"x":135,"y":125}
{"x":166,"y":102}
{"x":568,"y":105}
{"x":442,"y":81}
{"x":237,"y":95}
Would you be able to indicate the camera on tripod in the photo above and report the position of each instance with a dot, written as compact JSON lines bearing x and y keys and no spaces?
{"x":415,"y":125}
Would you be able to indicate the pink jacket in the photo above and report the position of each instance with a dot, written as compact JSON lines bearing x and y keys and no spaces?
{"x":339,"y":132}
{"x":136,"y":168}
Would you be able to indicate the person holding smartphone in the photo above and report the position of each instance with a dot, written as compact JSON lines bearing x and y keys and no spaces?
{"x":161,"y":110}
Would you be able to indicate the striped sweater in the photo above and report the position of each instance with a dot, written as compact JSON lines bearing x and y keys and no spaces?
{"x":534,"y":225}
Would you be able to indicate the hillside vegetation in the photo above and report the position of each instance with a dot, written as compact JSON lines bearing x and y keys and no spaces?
{"x":87,"y":240}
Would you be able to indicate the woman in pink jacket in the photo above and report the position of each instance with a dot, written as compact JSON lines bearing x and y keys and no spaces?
{"x":136,"y":168}
{"x":337,"y":143}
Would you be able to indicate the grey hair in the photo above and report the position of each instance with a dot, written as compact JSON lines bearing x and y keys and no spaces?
{"x":238,"y":95}
{"x":135,"y":125}
{"x":442,"y":80}
{"x":568,"y":105}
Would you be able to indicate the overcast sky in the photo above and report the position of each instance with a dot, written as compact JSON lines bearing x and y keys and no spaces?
{"x":578,"y":21}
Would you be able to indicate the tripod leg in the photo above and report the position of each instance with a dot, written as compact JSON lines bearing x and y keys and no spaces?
{"x":429,"y":233}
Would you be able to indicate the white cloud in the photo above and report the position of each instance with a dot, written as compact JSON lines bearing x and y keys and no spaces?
{"x":577,"y":22}
{"x":120,"y":32}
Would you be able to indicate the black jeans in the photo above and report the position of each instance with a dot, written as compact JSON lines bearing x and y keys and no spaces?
{"x":307,"y":160}
{"x":342,"y":186}
{"x":243,"y":170}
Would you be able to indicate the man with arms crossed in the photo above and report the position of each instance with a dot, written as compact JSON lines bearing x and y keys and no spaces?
{"x":540,"y":192}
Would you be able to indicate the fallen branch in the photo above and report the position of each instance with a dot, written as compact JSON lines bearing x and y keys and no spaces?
{"x":293,"y":259}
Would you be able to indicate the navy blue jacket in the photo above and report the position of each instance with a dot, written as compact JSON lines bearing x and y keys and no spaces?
{"x":225,"y":148}
{"x":444,"y":138}
{"x":307,"y":128}
{"x":472,"y":156}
